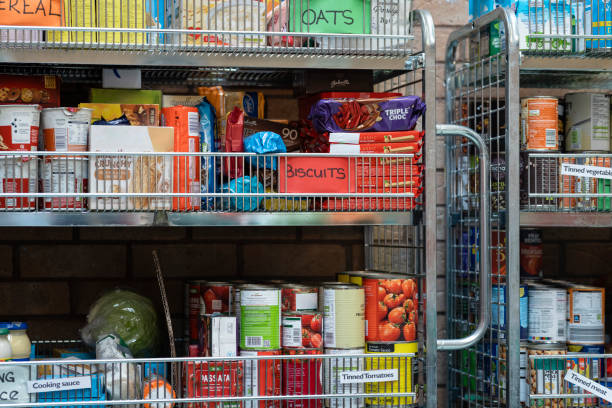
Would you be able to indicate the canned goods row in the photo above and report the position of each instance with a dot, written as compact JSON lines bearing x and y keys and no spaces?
{"x":579,"y":123}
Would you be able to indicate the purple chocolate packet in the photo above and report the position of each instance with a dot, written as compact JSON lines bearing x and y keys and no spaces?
{"x":367,"y":115}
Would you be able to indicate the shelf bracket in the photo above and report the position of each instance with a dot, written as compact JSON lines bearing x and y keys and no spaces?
{"x":415,"y":62}
{"x":160,"y":219}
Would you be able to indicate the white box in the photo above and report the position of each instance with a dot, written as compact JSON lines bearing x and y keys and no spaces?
{"x":121,"y":78}
{"x":218,"y":336}
{"x":130,"y":173}
{"x":169,"y":101}
{"x":549,"y":17}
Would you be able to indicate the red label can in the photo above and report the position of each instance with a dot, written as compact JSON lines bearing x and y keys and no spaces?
{"x":299,"y":298}
{"x":193,"y":309}
{"x":302,"y":377}
{"x":531,"y":252}
{"x":302,"y":330}
{"x":214,"y":379}
{"x":262,"y":377}
{"x":390,"y":307}
{"x":217,"y":297}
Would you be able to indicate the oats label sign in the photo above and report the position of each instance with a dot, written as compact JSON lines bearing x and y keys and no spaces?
{"x":13,"y":384}
{"x":31,"y":12}
{"x":324,"y":16}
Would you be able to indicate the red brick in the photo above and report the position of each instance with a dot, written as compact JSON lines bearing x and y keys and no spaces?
{"x":36,"y":234}
{"x":333,"y":233}
{"x":132,"y":234}
{"x":291,"y":261}
{"x":358,"y":258}
{"x":588,"y":259}
{"x":6,"y":261}
{"x":74,"y":260}
{"x":34,"y":298}
{"x":245,"y":233}
{"x":85,"y":293}
{"x":203,"y":261}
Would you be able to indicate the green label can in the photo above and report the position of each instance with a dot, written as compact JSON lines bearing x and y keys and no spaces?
{"x":260,"y":318}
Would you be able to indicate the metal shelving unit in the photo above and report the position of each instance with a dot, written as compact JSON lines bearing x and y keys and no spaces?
{"x":483,"y":89}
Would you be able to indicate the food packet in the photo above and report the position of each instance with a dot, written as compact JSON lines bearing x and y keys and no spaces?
{"x":243,"y":185}
{"x":265,"y":143}
{"x":157,"y":388}
{"x":233,"y":143}
{"x":122,"y":380}
{"x":208,"y":132}
{"x":120,"y":121}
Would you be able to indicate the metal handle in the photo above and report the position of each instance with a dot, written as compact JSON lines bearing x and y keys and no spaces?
{"x":484,"y":317}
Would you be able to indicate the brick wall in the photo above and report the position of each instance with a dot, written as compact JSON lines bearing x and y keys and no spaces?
{"x":50,"y":276}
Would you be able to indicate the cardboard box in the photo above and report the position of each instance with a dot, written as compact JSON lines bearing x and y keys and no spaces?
{"x":130,"y":173}
{"x":180,"y":100}
{"x":377,"y":137}
{"x":127,"y":96}
{"x":121,"y":14}
{"x":138,"y":115}
{"x":77,"y":13}
{"x":217,"y":336}
{"x":383,"y":148}
{"x":289,"y":133}
{"x":18,"y":89}
{"x":312,"y":82}
{"x":214,"y":379}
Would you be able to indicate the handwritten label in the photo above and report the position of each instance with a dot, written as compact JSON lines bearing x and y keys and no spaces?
{"x":31,"y":12}
{"x":59,"y":384}
{"x":13,"y":380}
{"x":353,"y":377}
{"x":580,"y":170}
{"x":588,"y":385}
{"x":344,"y":16}
{"x":314,"y":175}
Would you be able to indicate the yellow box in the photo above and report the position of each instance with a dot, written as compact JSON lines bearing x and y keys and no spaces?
{"x":121,"y":14}
{"x":77,"y":13}
{"x":404,"y":365}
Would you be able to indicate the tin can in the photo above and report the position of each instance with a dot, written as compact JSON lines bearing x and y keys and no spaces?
{"x":538,"y":175}
{"x":573,"y":183}
{"x":343,"y":316}
{"x":539,"y":119}
{"x":18,"y":176}
{"x":302,"y":377}
{"x":586,"y":315}
{"x":64,"y":175}
{"x":588,"y":122}
{"x":19,"y":127}
{"x":332,"y":369}
{"x":356,"y":277}
{"x":299,"y":298}
{"x":214,"y":379}
{"x":547,"y":314}
{"x":503,"y":366}
{"x":531,"y":252}
{"x":302,"y":330}
{"x":65,"y":129}
{"x":498,"y":255}
{"x":546,"y":375}
{"x":343,"y":277}
{"x":390,"y":307}
{"x":561,"y":125}
{"x":237,"y":284}
{"x":498,"y":311}
{"x":586,"y":366}
{"x":498,"y":182}
{"x":404,"y":367}
{"x":524,"y":310}
{"x":260,"y":312}
{"x":194,"y":307}
{"x":262,"y":377}
{"x":606,"y":382}
{"x":217,"y":297}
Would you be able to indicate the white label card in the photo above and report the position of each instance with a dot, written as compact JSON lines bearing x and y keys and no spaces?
{"x":579,"y":170}
{"x":353,"y":377}
{"x":59,"y":384}
{"x":13,"y":384}
{"x":588,"y":385}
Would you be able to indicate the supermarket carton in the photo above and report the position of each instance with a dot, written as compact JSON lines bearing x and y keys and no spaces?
{"x":180,"y":100}
{"x":217,"y":336}
{"x":131,"y":174}
{"x":408,"y":136}
{"x":288,"y":132}
{"x":137,"y":114}
{"x":77,"y":13}
{"x":121,"y":14}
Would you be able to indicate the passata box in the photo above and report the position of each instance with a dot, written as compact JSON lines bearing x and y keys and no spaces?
{"x":130,"y":173}
{"x":214,"y":379}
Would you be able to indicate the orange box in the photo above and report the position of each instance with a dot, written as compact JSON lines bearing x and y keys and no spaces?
{"x":186,"y":123}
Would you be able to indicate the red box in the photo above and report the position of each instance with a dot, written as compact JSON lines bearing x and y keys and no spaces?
{"x":370,"y":204}
{"x":382,"y":148}
{"x":409,"y":136}
{"x":41,"y":90}
{"x":214,"y":379}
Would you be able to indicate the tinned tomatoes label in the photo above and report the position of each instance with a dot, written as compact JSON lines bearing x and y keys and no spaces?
{"x":217,"y":299}
{"x":390,"y":309}
{"x":302,"y":330}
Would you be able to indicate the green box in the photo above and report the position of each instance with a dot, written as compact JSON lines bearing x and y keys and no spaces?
{"x":325,"y":16}
{"x":126,"y":96}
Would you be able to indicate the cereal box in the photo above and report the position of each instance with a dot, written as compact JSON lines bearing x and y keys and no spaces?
{"x":138,"y":115}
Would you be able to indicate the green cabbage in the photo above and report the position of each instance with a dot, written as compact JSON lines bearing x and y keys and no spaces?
{"x":129,"y":315}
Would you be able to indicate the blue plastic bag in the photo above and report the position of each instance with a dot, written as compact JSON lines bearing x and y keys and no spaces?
{"x":265,"y":143}
{"x":243,"y":185}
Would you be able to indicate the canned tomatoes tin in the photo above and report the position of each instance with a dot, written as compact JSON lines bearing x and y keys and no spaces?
{"x":343,"y":316}
{"x":65,"y":129}
{"x":531,"y":252}
{"x":539,"y":121}
{"x":332,"y":369}
{"x":262,"y":377}
{"x":217,"y":297}
{"x":546,"y":375}
{"x":404,"y":367}
{"x":302,"y":330}
{"x":356,"y":277}
{"x":391,"y":308}
{"x":343,"y":277}
{"x":302,"y":377}
{"x":214,"y":380}
{"x":260,"y":312}
{"x":299,"y":298}
{"x":64,"y":175}
{"x":547,"y":314}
